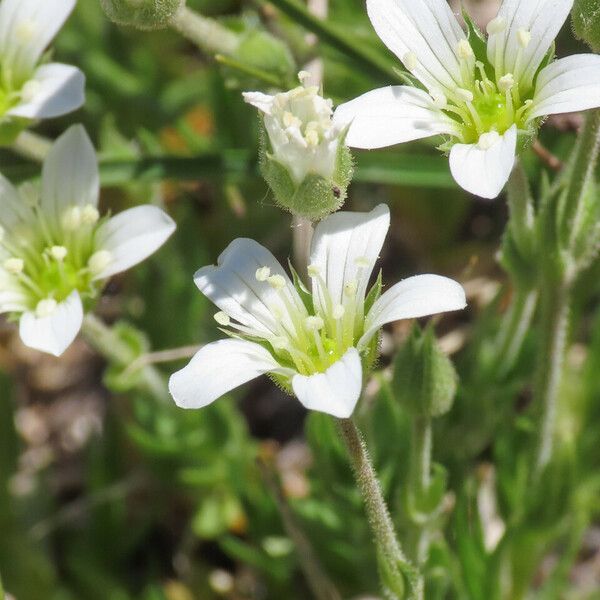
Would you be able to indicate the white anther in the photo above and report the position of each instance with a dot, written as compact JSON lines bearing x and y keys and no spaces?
{"x":314,"y":271}
{"x":71,"y":219}
{"x":263,"y":273}
{"x":58,"y":253}
{"x":464,"y":95}
{"x":99,"y":261}
{"x":289,"y":120}
{"x":506,"y":82}
{"x":90,"y":214}
{"x":497,"y":25}
{"x":524,"y":38}
{"x":410,"y":60}
{"x":314,"y":323}
{"x":277,"y":282}
{"x":45,"y":307}
{"x":30,"y":90}
{"x":303,"y":77}
{"x":26,"y":30}
{"x":14,"y":265}
{"x":487,"y":140}
{"x":464,"y":50}
{"x":350,"y":288}
{"x":222,"y":319}
{"x":338,"y":311}
{"x":312,"y":137}
{"x":439,"y":99}
{"x":362,"y":262}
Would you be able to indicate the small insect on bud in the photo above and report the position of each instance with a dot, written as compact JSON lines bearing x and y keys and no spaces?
{"x":141,"y":14}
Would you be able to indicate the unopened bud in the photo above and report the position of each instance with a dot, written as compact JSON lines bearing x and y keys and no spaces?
{"x":424,"y":378}
{"x":141,"y":14}
{"x":586,"y":22}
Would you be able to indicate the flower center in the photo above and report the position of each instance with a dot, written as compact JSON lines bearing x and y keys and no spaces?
{"x":46,"y":261}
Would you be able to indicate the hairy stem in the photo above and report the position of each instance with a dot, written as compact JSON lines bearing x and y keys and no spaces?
{"x":320,"y":585}
{"x":582,"y":169}
{"x":522,"y":215}
{"x":108,"y":344}
{"x":392,"y":560}
{"x":209,"y":35}
{"x":554,"y":318}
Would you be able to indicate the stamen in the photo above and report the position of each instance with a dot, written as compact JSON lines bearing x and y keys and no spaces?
{"x":99,"y":261}
{"x":524,"y":38}
{"x":506,"y":82}
{"x":410,"y":60}
{"x":58,"y":253}
{"x":313,"y":270}
{"x":289,"y":120}
{"x":277,"y":282}
{"x":45,"y":307}
{"x":350,"y":289}
{"x":487,"y":140}
{"x":362,"y":262}
{"x":464,"y":95}
{"x":464,"y":50}
{"x":30,"y":90}
{"x":303,"y":77}
{"x":497,"y":25}
{"x":314,"y":323}
{"x":439,"y":99}
{"x":222,"y":319}
{"x":263,"y":274}
{"x":14,"y":265}
{"x":90,"y":215}
{"x":338,"y":311}
{"x":312,"y":137}
{"x":71,"y":219}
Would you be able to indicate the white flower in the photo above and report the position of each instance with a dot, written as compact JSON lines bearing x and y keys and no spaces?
{"x":299,"y":124}
{"x":29,"y":88}
{"x":311,"y":342}
{"x":55,"y":250}
{"x":481,"y":94}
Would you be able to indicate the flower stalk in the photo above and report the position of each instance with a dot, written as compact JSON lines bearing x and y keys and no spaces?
{"x":395,"y":569}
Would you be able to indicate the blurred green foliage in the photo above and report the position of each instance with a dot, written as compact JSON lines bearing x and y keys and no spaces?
{"x":163,"y":498}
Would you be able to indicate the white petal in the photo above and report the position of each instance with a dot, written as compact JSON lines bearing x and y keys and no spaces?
{"x":336,"y":391}
{"x":263,"y":102}
{"x":53,"y":334}
{"x":391,"y":115}
{"x":425,"y":28}
{"x":568,"y":85}
{"x":13,"y":210}
{"x":132,"y":236}
{"x":219,"y":368}
{"x":484,"y":172}
{"x":544,"y":19}
{"x":58,"y":89}
{"x":414,"y":298}
{"x":70,"y":173}
{"x":27,"y":27}
{"x":345,"y":247}
{"x":233,"y":287}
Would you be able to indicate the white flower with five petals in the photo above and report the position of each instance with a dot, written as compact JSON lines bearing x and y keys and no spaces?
{"x":482,"y":94}
{"x":55,"y":248}
{"x":29,"y":87}
{"x":313,"y":343}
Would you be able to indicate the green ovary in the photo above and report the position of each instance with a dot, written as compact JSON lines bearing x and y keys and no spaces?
{"x":493,"y":112}
{"x":59,"y":279}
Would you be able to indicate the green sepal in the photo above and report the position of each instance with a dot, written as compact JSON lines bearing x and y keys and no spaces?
{"x":422,"y":506}
{"x":374,"y":293}
{"x":522,"y":269}
{"x":477,"y":40}
{"x":11,"y":127}
{"x":586,"y":22}
{"x":424,"y":380}
{"x":141,"y":14}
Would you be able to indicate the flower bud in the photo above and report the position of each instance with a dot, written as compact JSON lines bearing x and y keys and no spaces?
{"x":141,"y":14}
{"x":304,"y":160}
{"x":424,"y":378}
{"x":586,"y":22}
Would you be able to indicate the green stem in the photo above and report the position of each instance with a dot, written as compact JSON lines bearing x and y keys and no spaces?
{"x":515,"y":325}
{"x":555,"y":310}
{"x":340,"y":40}
{"x":582,"y":169}
{"x":522,"y":216}
{"x":107,"y":343}
{"x":392,"y":561}
{"x":209,"y":35}
{"x":420,"y":480}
